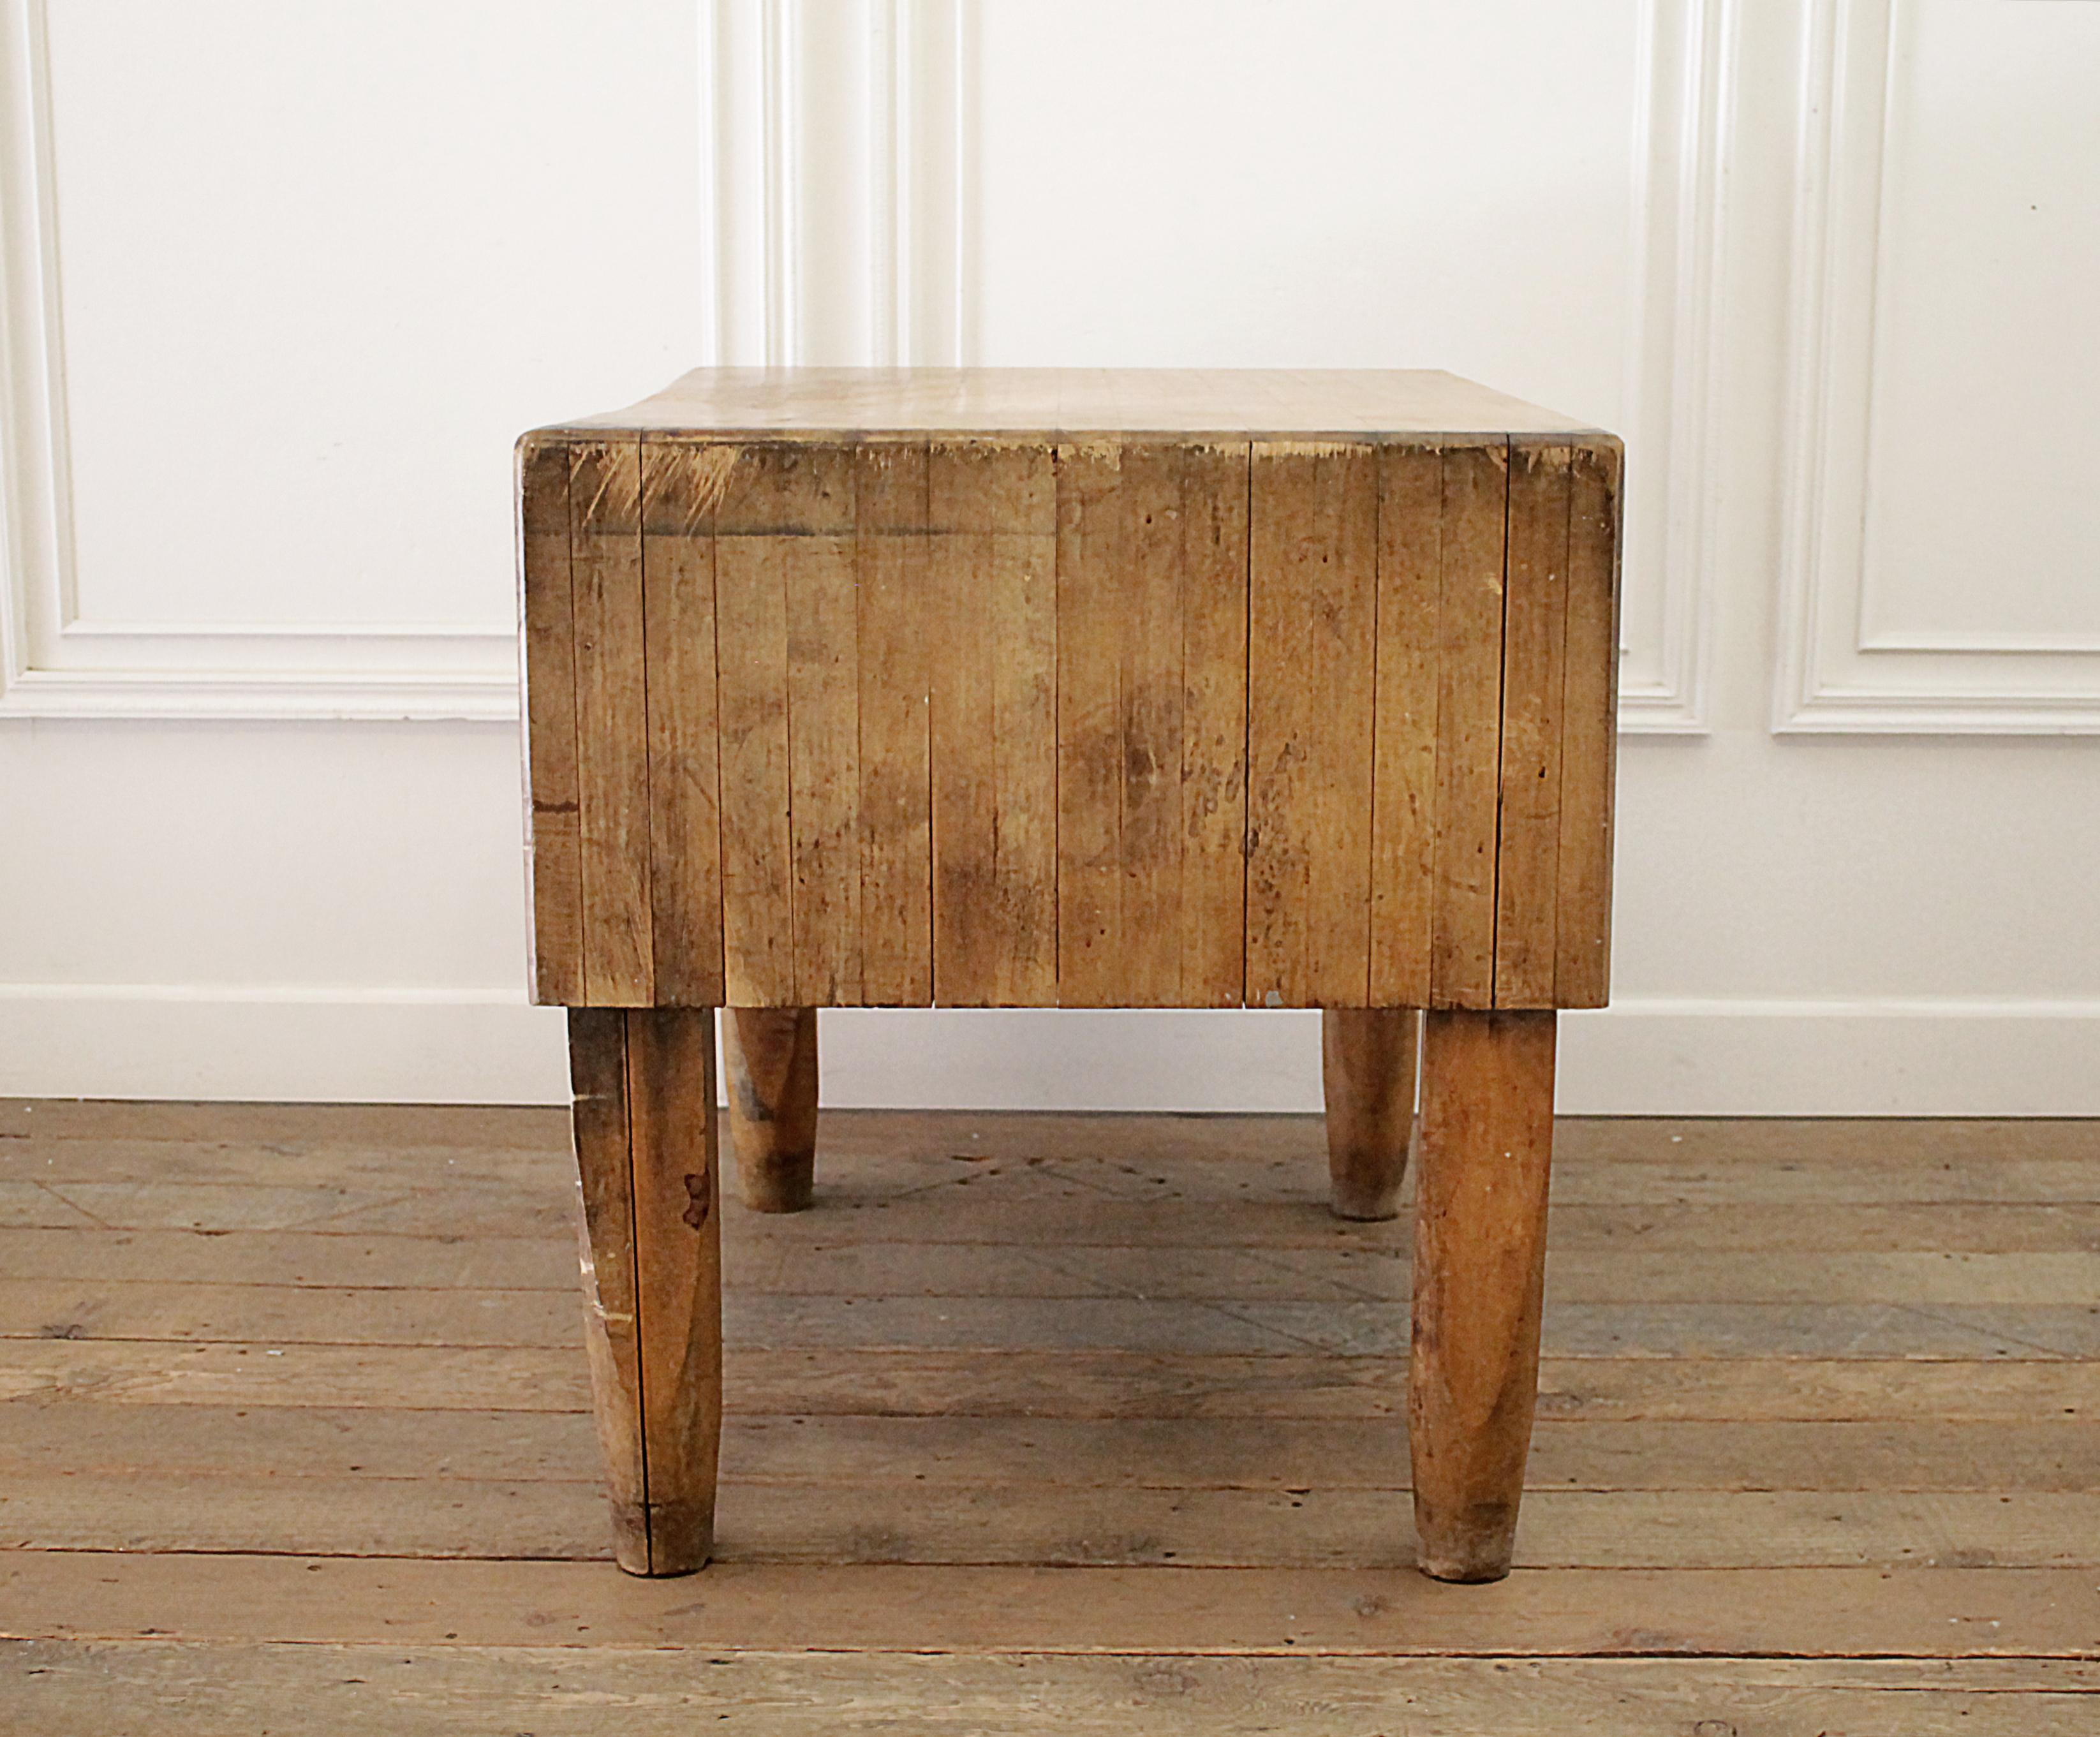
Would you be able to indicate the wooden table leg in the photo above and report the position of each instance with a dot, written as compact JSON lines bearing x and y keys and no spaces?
{"x":1367,"y":1057}
{"x":652,"y":1246}
{"x":1479,"y":1268}
{"x":771,"y":1053}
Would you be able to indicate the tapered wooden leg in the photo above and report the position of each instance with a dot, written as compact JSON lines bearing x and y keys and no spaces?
{"x":1480,"y":1269}
{"x":651,"y":1245}
{"x":1367,"y":1058}
{"x":771,"y":1053}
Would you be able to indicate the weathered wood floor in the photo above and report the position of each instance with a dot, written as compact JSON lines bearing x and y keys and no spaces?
{"x":1088,"y":1424}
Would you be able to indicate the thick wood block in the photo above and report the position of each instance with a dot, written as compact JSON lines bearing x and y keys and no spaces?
{"x":1079,"y":689}
{"x":1151,"y":677}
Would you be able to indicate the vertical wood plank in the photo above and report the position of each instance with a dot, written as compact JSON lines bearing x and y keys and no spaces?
{"x":1534,"y":643}
{"x":1403,"y":831}
{"x":678,"y":1260}
{"x":613,"y":723}
{"x":751,"y":623}
{"x":1151,"y":690}
{"x":1312,"y":608}
{"x":1213,"y":916}
{"x":554,"y":846}
{"x":1476,"y":487}
{"x":896,"y":820}
{"x":991,"y":559}
{"x":680,"y":483}
{"x":1589,"y":731}
{"x":823,"y":726}
{"x":1095,"y":562}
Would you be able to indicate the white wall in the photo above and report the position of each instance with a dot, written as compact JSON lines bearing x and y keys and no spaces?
{"x":283,"y":282}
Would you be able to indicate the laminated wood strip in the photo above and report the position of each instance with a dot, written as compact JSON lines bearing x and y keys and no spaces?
{"x":896,"y":652}
{"x":992,"y":619}
{"x":1312,"y":619}
{"x":681,"y":481}
{"x":823,"y":727}
{"x":755,"y":525}
{"x":1534,"y":643}
{"x":1096,"y":577}
{"x":1474,"y":486}
{"x":1147,"y":752}
{"x":612,"y":725}
{"x":1212,"y":922}
{"x":553,"y":844}
{"x":1403,"y":822}
{"x":1589,"y":737}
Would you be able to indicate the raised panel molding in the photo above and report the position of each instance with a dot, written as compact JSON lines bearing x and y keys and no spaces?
{"x":55,"y":664}
{"x":835,"y":171}
{"x":835,"y":162}
{"x":1681,"y":170}
{"x":1841,"y":667}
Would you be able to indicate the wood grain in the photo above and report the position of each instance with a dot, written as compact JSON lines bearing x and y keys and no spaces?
{"x":612,"y":721}
{"x":1480,"y":1243}
{"x":890,"y":556}
{"x":1590,"y":732}
{"x":992,"y":557}
{"x":418,"y":1691}
{"x":677,"y":1264}
{"x":771,"y":1055}
{"x":553,"y":841}
{"x":1404,"y":799}
{"x":1312,"y":624}
{"x":1152,"y":684}
{"x":757,"y":526}
{"x":931,"y":1430}
{"x":1367,"y":1070}
{"x":1817,"y":1613}
{"x":820,"y":568}
{"x":1211,"y":921}
{"x":680,"y":483}
{"x":1475,"y":491}
{"x":1081,"y":688}
{"x":825,"y":404}
{"x":1534,"y":649}
{"x":599,"y":1077}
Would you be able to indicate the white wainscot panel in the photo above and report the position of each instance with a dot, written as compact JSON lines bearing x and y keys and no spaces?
{"x":1943,"y":559}
{"x":282,"y":286}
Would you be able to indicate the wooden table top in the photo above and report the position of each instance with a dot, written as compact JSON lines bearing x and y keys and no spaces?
{"x":1284,"y":402}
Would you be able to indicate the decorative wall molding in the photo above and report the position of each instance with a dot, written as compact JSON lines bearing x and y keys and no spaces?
{"x":54,"y":662}
{"x":1842,"y":666}
{"x":836,"y":169}
{"x":829,"y":243}
{"x":1680,"y":168}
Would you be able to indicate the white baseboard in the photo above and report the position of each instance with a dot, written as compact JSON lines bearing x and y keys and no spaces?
{"x":301,"y":1045}
{"x":1645,"y":1056}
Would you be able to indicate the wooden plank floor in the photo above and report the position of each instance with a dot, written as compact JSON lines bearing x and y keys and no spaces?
{"x":1085,"y":1423}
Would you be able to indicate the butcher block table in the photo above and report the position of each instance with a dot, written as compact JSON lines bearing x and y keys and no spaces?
{"x":1069,"y":689}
